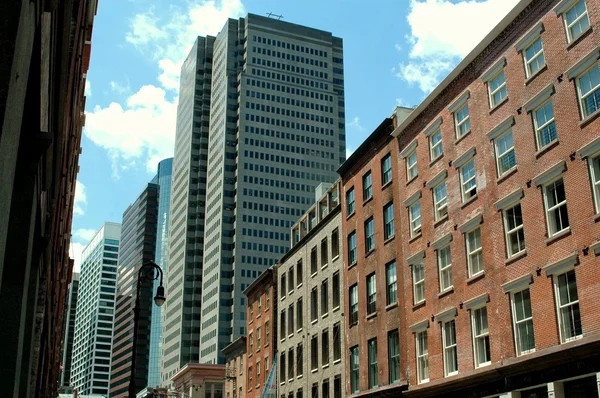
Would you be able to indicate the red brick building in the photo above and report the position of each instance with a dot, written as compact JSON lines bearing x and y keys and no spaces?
{"x":261,"y":332}
{"x":499,"y":204}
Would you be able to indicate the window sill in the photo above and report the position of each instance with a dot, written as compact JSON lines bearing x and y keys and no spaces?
{"x":440,"y":221}
{"x":299,"y":286}
{"x":412,"y":179}
{"x":299,"y":376}
{"x":367,"y":200}
{"x":498,"y":105}
{"x":371,"y":315}
{"x":536,"y":74}
{"x":352,"y":265}
{"x":579,"y":38}
{"x":446,"y":292}
{"x":545,"y":149}
{"x":589,"y":118}
{"x":335,"y":258}
{"x":350,"y":215}
{"x":325,"y":366}
{"x":324,"y":266}
{"x":313,"y":274}
{"x":290,"y":335}
{"x":596,"y":217}
{"x":414,"y":238}
{"x":282,"y":298}
{"x":290,"y":292}
{"x":367,"y":254}
{"x":337,"y":361}
{"x":299,"y":330}
{"x":434,"y":161}
{"x":314,"y":370}
{"x":505,"y":176}
{"x":387,"y":184}
{"x":515,"y":257}
{"x":419,"y":305}
{"x":324,"y":315}
{"x":462,"y":137}
{"x":475,"y":277}
{"x":353,"y":324}
{"x":558,"y":236}
{"x":388,"y":240}
{"x":337,"y":308}
{"x":469,"y":201}
{"x":391,"y":306}
{"x":314,"y":321}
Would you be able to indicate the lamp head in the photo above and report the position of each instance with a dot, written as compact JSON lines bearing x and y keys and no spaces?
{"x":160,"y":298}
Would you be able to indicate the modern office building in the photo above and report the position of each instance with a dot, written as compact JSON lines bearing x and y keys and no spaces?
{"x":67,"y":355}
{"x":94,"y":319}
{"x":276,"y":109}
{"x":138,"y":246}
{"x":311,"y":347}
{"x":163,"y":179}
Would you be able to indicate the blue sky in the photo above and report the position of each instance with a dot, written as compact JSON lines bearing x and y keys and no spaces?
{"x":395,"y":52}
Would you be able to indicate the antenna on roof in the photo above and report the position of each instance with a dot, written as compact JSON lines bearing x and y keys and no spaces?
{"x":274,"y":16}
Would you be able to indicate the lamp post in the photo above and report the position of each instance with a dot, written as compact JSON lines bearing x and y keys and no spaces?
{"x":148,"y":272}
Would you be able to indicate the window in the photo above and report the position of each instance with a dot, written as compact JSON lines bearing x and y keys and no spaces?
{"x":411,"y":166}
{"x":533,"y":56}
{"x":505,"y":153}
{"x":435,"y":145}
{"x":324,"y":297}
{"x":337,"y":342}
{"x":468,"y":182}
{"x":267,"y":299}
{"x":394,"y":356}
{"x":313,"y":261}
{"x":391,"y":284}
{"x":567,"y":303}
{"x":335,"y":294}
{"x":325,"y":388}
{"x":335,"y":243}
{"x":299,"y":314}
{"x":354,"y":369}
{"x":555,"y":202}
{"x":497,"y":89}
{"x":545,"y":128}
{"x":315,"y":390}
{"x":283,"y":286}
{"x":353,"y":298}
{"x":267,"y":331}
{"x":291,"y":279}
{"x":291,"y":364}
{"x":350,"y":204}
{"x":474,"y":252}
{"x":450,"y":352}
{"x":291,"y":319}
{"x":257,"y":373}
{"x":386,"y":169}
{"x":283,"y":334}
{"x":251,"y":338}
{"x":513,"y":229}
{"x":371,"y":294}
{"x":299,"y":360}
{"x":352,"y":248}
{"x":422,"y":357}
{"x":576,"y":20}
{"x":595,"y":177}
{"x":299,"y":273}
{"x":523,"y":322}
{"x":414,"y":212}
{"x":282,"y":366}
{"x":372,"y":353}
{"x":445,"y":268}
{"x":314,"y":354}
{"x":369,"y":235}
{"x":314,"y":311}
{"x":251,"y":309}
{"x":462,"y":122}
{"x":259,"y":305}
{"x":418,"y":271}
{"x":367,"y":186}
{"x":388,"y":221}
{"x":258,"y":338}
{"x":481,"y":337}
{"x":325,"y":347}
{"x":250,"y":377}
{"x":337,"y":387}
{"x":324,"y":256}
{"x":440,"y":201}
{"x":588,"y":86}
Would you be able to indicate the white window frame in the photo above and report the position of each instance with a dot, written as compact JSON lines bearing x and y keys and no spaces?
{"x":354,"y":250}
{"x":445,"y":270}
{"x":353,"y":300}
{"x":592,"y":91}
{"x":539,"y":129}
{"x":550,"y":210}
{"x":389,"y":225}
{"x":508,"y":233}
{"x":440,"y":207}
{"x":500,"y":156}
{"x":418,"y":285}
{"x":391,"y":277}
{"x":562,"y":306}
{"x":569,"y":26}
{"x":470,"y":180}
{"x":459,"y":123}
{"x":422,"y":353}
{"x":371,"y":292}
{"x":595,"y":179}
{"x":517,"y":322}
{"x":449,"y":346}
{"x":369,"y":235}
{"x":498,"y":89}
{"x":433,"y":146}
{"x":528,"y":62}
{"x":474,"y":252}
{"x":415,"y":230}
{"x":477,"y":336}
{"x":412,"y":170}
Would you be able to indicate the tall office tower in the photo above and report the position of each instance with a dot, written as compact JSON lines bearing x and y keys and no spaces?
{"x":276,"y":132}
{"x":181,"y":312}
{"x":163,"y":179}
{"x":138,"y":246}
{"x":94,"y":319}
{"x":67,"y":355}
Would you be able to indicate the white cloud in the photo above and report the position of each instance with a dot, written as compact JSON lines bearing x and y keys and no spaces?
{"x":75,"y":250}
{"x":144,"y":126}
{"x":84,"y":235}
{"x":349,"y":152}
{"x":435,"y":46}
{"x":88,"y":88}
{"x":119,"y":88}
{"x":80,"y":199}
{"x":355,"y":125}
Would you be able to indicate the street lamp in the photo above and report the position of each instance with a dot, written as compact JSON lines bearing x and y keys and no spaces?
{"x":148,"y":272}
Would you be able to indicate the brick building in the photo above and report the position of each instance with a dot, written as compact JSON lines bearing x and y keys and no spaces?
{"x":235,"y":366}
{"x":310,"y":303}
{"x":261,"y":326}
{"x":374,"y":320}
{"x":499,"y":194}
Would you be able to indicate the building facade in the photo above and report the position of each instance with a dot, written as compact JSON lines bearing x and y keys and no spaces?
{"x":200,"y":380}
{"x":276,"y":132}
{"x":67,"y":356}
{"x":261,"y":342}
{"x":311,"y":347}
{"x":372,"y":263}
{"x":499,"y":212}
{"x":138,"y":246}
{"x":94,"y":319}
{"x":235,"y":368}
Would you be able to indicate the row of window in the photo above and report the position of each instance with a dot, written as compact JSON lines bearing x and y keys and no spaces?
{"x":369,"y":233}
{"x":391,"y":292}
{"x":393,"y":361}
{"x":289,"y":79}
{"x":290,"y":68}
{"x":311,"y":164}
{"x":287,"y":89}
{"x":289,"y":112}
{"x":290,"y":46}
{"x":367,"y":184}
{"x":261,"y":168}
{"x":325,"y":393}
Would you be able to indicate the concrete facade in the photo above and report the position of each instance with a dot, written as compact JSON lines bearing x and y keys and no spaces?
{"x":67,"y":356}
{"x":311,"y":348}
{"x":235,"y":368}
